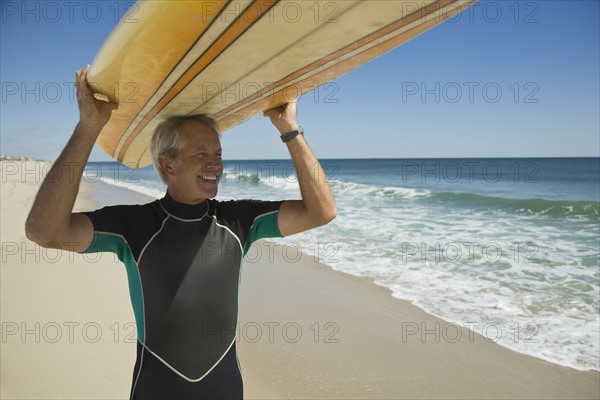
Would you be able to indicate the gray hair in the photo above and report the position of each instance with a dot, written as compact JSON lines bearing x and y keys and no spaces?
{"x":166,"y":140}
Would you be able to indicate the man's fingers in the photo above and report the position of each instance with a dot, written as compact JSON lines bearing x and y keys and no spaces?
{"x":111,"y":106}
{"x":81,"y":74}
{"x":84,"y":92}
{"x":83,"y":71}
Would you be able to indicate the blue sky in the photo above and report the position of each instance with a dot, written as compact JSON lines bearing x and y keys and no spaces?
{"x":504,"y":79}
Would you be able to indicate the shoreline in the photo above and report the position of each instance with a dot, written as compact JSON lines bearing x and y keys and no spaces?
{"x":370,"y":359}
{"x":369,"y":322}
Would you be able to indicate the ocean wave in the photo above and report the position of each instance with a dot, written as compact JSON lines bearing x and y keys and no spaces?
{"x":290,"y":183}
{"x":378,"y":191}
{"x":554,"y":208}
{"x":236,"y":177}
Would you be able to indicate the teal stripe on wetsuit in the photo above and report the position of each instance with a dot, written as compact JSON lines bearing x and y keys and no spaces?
{"x":264,"y":226}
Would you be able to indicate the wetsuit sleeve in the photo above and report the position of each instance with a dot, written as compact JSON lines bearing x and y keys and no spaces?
{"x":252,"y":219}
{"x":263,"y":217}
{"x":111,"y":230}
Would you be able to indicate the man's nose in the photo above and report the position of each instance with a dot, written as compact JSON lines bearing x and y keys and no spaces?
{"x":212,"y":163}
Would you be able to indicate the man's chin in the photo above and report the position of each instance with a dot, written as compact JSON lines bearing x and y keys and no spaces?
{"x":208,"y":189}
{"x":211,"y":194}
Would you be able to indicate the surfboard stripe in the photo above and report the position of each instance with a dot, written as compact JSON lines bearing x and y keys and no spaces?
{"x":272,"y":59}
{"x":233,"y":32}
{"x":221,"y":6}
{"x":214,"y":30}
{"x":123,"y":45}
{"x":301,"y":74}
{"x":331,"y":72}
{"x":215,"y":12}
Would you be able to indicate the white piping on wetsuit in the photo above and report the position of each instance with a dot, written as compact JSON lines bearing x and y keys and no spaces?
{"x":144,"y":346}
{"x":144,"y":303}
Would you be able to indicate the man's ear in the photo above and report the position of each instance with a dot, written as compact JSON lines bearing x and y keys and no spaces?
{"x":166,"y":165}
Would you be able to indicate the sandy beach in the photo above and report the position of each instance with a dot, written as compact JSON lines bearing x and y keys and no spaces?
{"x":305,"y":330}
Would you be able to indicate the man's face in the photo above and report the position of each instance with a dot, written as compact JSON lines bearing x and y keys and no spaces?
{"x":198,"y":169}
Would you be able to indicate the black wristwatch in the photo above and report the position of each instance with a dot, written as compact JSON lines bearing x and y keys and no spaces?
{"x":286,"y":137}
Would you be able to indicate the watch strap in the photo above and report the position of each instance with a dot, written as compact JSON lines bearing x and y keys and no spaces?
{"x":286,"y":137}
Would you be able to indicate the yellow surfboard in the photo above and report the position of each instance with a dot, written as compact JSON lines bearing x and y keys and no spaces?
{"x":235,"y":59}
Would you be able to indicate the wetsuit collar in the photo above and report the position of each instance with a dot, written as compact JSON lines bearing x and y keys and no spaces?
{"x":184,"y":211}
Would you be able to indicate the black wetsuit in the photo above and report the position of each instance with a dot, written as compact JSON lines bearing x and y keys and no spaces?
{"x":183,"y":265}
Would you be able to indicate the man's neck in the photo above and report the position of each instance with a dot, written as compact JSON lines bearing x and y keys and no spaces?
{"x":182,"y":198}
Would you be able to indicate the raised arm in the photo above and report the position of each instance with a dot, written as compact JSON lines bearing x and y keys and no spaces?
{"x":317,"y":206}
{"x":51,"y":222}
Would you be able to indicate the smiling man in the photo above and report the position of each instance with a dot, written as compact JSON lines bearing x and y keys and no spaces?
{"x":183,"y":252}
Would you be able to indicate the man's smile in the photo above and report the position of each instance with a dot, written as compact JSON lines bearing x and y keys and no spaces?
{"x":209,"y":178}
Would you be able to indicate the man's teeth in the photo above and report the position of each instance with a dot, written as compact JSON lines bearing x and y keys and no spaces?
{"x":209,"y":177}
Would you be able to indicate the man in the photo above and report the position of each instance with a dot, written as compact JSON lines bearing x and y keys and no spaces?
{"x":182,"y":252}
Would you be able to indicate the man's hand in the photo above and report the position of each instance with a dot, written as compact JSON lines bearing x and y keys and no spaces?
{"x":92,"y":112}
{"x":317,"y":206}
{"x":284,"y":117}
